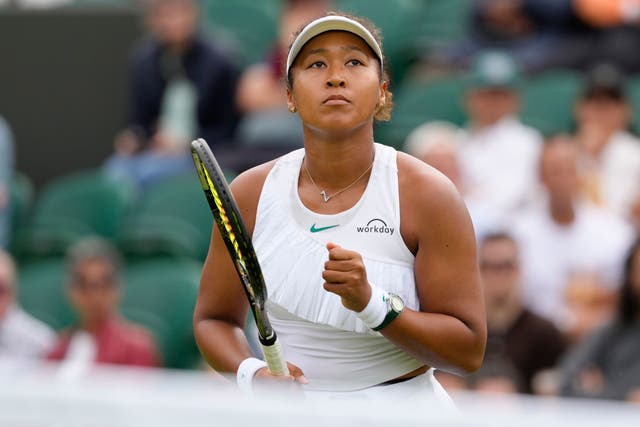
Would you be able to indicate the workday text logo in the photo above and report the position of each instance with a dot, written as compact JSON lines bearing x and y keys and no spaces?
{"x":376,"y":226}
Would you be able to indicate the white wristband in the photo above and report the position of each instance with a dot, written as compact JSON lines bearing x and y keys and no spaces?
{"x":376,"y":310}
{"x":246,"y":371}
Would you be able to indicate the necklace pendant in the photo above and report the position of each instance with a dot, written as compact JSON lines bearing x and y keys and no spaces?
{"x":324,"y":196}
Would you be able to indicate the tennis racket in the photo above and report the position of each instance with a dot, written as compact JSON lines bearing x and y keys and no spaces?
{"x":238,"y":243}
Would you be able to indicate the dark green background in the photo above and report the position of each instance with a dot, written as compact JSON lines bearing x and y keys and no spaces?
{"x":63,"y":85}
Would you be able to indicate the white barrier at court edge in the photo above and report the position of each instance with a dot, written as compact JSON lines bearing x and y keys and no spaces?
{"x":33,"y":395}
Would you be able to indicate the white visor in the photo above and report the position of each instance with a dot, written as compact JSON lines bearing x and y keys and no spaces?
{"x":332,"y":23}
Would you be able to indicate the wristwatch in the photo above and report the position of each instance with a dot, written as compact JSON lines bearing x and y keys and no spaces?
{"x":395,"y":305}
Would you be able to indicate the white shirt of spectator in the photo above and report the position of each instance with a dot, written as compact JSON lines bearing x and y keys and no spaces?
{"x":80,"y":356}
{"x":499,"y":165}
{"x":618,"y":173}
{"x":23,"y":336}
{"x":595,"y":243}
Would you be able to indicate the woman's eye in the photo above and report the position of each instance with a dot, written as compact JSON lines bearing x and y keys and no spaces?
{"x":354,"y":62}
{"x":317,"y":64}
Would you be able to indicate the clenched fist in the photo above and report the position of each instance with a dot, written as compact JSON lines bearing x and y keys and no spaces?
{"x":346,"y":276}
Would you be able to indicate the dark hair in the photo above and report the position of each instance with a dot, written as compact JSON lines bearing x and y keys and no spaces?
{"x":383,"y":113}
{"x":629,"y":305}
{"x":93,"y":248}
{"x":607,"y":80}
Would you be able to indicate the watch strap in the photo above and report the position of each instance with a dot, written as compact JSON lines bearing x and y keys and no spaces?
{"x":390,"y":317}
{"x":395,"y":306}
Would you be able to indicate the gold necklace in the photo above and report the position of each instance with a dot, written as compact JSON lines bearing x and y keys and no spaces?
{"x":326,"y":197}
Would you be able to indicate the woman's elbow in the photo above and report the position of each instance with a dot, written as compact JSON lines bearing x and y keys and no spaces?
{"x":474,"y":358}
{"x":472,"y":364}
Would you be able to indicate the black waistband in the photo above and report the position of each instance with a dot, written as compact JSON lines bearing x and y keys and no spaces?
{"x":399,"y":380}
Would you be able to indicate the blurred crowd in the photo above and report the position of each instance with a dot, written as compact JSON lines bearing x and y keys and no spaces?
{"x":556,"y":213}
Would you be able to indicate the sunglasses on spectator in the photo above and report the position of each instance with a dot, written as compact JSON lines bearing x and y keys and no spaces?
{"x":83,"y":284}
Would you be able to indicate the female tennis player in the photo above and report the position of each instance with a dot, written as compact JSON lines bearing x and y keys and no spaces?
{"x":368,"y":254}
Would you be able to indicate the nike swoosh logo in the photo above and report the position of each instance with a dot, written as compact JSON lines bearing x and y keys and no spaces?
{"x":313,"y":228}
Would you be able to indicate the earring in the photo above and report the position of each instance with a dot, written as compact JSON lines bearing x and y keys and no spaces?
{"x":292,"y":109}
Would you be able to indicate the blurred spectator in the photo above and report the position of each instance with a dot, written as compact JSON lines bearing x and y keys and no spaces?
{"x":267,"y":124}
{"x":530,"y":30}
{"x":546,"y":34}
{"x":438,"y":144}
{"x":564,"y":238}
{"x":546,"y":382}
{"x":34,"y":4}
{"x":634,"y":396}
{"x":6,"y":174}
{"x":516,"y":336}
{"x":101,"y":336}
{"x":615,"y":31}
{"x":588,"y":303}
{"x":21,"y":335}
{"x":610,"y":154}
{"x":499,"y":153}
{"x":608,"y":13}
{"x":606,"y":365}
{"x":182,"y":86}
{"x":451,"y":382}
{"x":495,"y":377}
{"x":262,"y":85}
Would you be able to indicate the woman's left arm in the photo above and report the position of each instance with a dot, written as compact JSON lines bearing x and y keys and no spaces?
{"x":449,"y":331}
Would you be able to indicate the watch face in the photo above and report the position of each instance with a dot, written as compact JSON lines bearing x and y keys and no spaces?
{"x":396,"y":303}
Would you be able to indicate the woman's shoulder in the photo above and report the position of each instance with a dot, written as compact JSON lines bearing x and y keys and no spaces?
{"x":253,"y":174}
{"x":248,"y":184}
{"x":422,"y":181}
{"x":428,"y":197}
{"x":252,"y":180}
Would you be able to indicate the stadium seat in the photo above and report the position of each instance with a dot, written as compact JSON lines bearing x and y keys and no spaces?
{"x":419,"y":101}
{"x":102,"y":3}
{"x":548,"y":100}
{"x":172,"y":218}
{"x":251,"y":25}
{"x":547,"y":104}
{"x":21,"y":199}
{"x":41,"y":291}
{"x":442,"y":22}
{"x":160,"y":294}
{"x":397,"y":20}
{"x":72,"y":207}
{"x":633,"y":90}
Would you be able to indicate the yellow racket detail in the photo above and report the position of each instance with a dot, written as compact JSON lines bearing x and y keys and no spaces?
{"x":224,"y":217}
{"x":238,"y":244}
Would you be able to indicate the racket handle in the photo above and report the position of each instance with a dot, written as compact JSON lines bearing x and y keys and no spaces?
{"x":275,"y":358}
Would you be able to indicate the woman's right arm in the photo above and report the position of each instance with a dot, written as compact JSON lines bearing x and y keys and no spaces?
{"x":221,"y":308}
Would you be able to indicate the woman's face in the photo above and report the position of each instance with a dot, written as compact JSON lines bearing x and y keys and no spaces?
{"x":336,"y":83}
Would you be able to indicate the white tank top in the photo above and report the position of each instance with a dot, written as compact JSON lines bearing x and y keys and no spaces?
{"x":335,"y":350}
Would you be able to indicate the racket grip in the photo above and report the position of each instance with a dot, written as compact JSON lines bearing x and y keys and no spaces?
{"x":275,"y":358}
